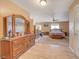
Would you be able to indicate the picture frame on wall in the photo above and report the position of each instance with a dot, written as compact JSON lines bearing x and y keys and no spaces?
{"x":45,"y":25}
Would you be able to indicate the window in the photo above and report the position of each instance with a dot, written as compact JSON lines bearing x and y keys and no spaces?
{"x":55,"y":26}
{"x":38,"y":27}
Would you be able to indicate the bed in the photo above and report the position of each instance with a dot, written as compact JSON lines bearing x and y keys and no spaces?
{"x":56,"y":34}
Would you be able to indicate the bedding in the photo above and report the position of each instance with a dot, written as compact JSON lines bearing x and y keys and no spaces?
{"x":57,"y":33}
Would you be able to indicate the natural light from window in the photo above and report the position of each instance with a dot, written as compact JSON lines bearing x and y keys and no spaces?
{"x":38,"y":27}
{"x":55,"y":26}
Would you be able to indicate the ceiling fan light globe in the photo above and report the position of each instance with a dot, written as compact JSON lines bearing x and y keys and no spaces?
{"x":43,"y":3}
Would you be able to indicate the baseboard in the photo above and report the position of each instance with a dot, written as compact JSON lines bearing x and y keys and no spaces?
{"x":73,"y":52}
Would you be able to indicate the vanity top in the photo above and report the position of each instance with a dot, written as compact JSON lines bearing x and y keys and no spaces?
{"x":16,"y":37}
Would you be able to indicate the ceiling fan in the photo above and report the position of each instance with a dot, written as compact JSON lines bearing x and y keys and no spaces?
{"x":54,"y":20}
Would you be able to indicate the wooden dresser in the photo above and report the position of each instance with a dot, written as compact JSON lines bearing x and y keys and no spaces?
{"x":14,"y":47}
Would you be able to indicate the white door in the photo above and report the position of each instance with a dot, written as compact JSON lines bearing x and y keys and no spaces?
{"x":77,"y":35}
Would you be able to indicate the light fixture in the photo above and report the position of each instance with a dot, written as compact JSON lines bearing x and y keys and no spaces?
{"x":54,"y":19}
{"x":43,"y":2}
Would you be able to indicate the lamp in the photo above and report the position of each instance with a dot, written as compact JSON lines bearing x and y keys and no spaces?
{"x":43,"y":2}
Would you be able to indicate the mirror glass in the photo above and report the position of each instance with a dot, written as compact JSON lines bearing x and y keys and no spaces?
{"x":19,"y":25}
{"x":9,"y":27}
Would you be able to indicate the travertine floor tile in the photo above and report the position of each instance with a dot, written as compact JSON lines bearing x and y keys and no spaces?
{"x":48,"y":50}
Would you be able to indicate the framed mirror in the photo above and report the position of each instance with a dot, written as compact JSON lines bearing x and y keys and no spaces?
{"x":15,"y":25}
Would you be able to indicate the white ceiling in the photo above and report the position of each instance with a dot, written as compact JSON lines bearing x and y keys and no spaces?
{"x":58,"y":8}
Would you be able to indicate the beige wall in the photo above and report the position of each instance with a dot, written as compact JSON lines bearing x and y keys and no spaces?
{"x":45,"y":28}
{"x":1,"y":27}
{"x":64,"y":26}
{"x":8,"y":8}
{"x":0,"y":49}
